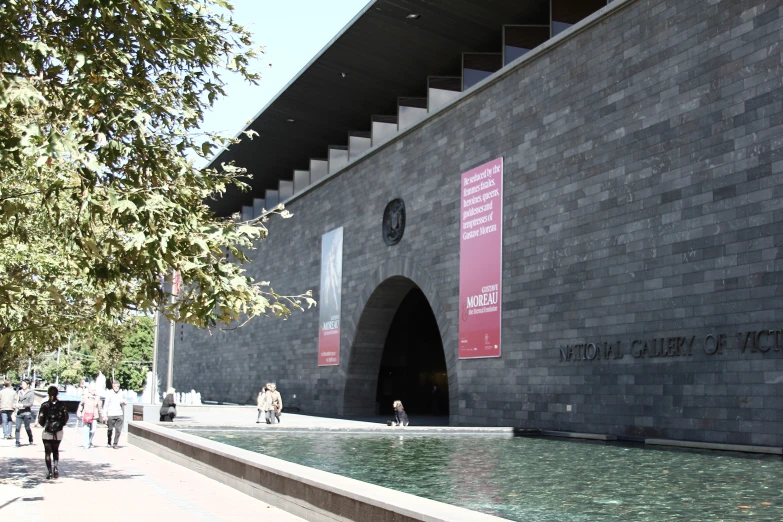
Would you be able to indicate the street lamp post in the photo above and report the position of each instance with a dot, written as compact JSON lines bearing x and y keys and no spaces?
{"x":176,"y":282}
{"x":154,"y":384}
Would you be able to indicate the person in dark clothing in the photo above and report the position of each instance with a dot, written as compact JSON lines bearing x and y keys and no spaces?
{"x":168,"y":409}
{"x":53,"y":416}
{"x":24,"y":412}
{"x":400,"y":417}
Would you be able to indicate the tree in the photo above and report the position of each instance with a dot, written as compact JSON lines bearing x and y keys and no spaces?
{"x":136,"y":354}
{"x":70,"y":370}
{"x":100,"y":103}
{"x":124,"y":350}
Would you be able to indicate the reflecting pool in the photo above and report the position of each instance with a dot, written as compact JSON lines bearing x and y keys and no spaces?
{"x":538,"y":479}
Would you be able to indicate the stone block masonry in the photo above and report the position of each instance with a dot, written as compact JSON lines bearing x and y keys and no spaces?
{"x":642,"y":232}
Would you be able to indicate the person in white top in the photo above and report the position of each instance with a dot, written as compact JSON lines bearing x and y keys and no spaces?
{"x":7,"y":402}
{"x":100,"y":384}
{"x":113,"y":409}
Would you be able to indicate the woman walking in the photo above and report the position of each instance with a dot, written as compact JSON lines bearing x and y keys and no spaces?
{"x":89,"y":411}
{"x":52,"y":416}
{"x":168,"y":410}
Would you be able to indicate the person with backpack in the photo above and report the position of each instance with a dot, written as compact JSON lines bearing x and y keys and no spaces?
{"x":53,"y":416}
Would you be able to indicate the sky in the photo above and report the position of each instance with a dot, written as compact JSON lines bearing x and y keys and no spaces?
{"x":292,"y":33}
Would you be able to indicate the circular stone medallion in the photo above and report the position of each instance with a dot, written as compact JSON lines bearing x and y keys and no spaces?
{"x":393,"y":222}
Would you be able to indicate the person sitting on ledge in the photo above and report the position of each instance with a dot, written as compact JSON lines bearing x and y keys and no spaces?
{"x":168,"y":409}
{"x":400,"y":417}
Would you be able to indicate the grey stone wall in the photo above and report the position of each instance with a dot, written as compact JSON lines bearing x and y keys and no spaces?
{"x":643,"y":183}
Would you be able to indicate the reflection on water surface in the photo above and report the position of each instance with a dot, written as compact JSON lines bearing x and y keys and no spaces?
{"x":542,"y":480}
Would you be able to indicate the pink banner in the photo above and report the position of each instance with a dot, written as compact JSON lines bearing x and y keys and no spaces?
{"x":481,"y":260}
{"x":330,"y":298}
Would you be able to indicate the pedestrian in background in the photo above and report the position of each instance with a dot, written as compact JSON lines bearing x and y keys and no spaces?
{"x":100,"y":385}
{"x":53,"y":416}
{"x":434,"y":400}
{"x":277,"y":403}
{"x":24,"y":411}
{"x":7,"y":400}
{"x":89,"y":411}
{"x":168,"y":410}
{"x":260,"y":403}
{"x":267,"y":403}
{"x":400,"y":417}
{"x":115,"y":416}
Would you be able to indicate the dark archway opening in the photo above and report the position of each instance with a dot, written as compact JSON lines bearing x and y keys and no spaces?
{"x":413,"y":365}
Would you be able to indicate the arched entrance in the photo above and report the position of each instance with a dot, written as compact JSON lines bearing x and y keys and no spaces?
{"x":413,"y":365}
{"x":399,"y":327}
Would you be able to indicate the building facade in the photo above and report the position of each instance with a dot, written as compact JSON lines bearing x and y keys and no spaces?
{"x":642,"y":244}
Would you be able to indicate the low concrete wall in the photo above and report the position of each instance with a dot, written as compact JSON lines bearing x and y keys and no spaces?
{"x":306,"y":492}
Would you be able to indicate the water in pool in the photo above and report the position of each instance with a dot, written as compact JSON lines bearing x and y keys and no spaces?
{"x":541,"y":480}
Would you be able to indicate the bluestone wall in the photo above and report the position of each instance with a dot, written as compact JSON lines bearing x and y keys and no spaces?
{"x":643,"y":184}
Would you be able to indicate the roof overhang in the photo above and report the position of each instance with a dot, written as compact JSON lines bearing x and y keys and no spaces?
{"x":381,"y":55}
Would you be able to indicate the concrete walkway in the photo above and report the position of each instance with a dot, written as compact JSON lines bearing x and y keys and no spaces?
{"x":246,"y":416}
{"x":127,"y":484}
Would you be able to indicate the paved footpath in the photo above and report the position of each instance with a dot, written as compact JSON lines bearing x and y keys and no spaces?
{"x":130,"y":484}
{"x":127,"y":484}
{"x":246,"y":416}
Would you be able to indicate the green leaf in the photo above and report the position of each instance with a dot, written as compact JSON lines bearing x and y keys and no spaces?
{"x":100,"y":199}
{"x":124,"y":206}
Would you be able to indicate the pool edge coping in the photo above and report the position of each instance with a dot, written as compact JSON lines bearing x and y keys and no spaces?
{"x":492,"y":430}
{"x":479,"y":430}
{"x":303,"y":491}
{"x":716,"y":446}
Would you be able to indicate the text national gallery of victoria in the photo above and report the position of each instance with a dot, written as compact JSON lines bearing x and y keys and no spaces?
{"x":545,"y":214}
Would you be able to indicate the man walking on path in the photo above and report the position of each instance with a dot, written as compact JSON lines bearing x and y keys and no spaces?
{"x":24,"y":411}
{"x":7,"y":399}
{"x":112,"y":408}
